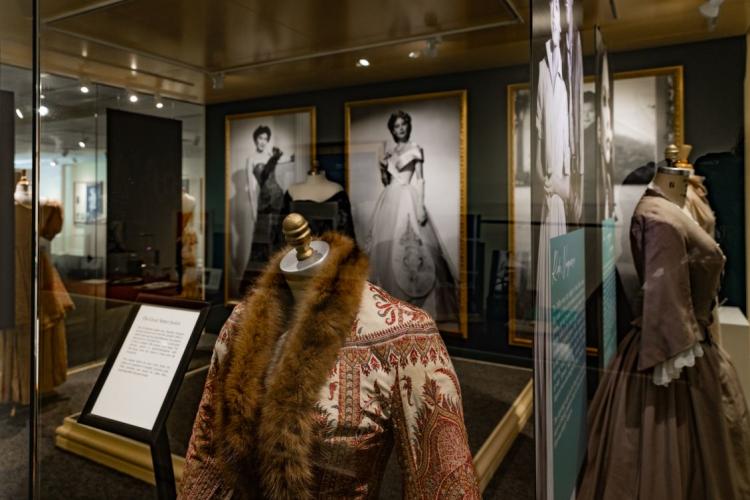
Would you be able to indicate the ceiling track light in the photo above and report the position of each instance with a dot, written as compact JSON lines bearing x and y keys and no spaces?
{"x":43,"y":110}
{"x":363,"y":63}
{"x":431,"y":50}
{"x":710,"y":10}
{"x":158,"y":101}
{"x":217,"y":81}
{"x":84,"y":85}
{"x":19,"y":113}
{"x":132,"y":96}
{"x":82,"y":143}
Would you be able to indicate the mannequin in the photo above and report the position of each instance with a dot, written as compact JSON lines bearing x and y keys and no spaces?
{"x":323,"y":203}
{"x":188,"y":241}
{"x":316,"y":187}
{"x":54,"y":304}
{"x":302,"y":263}
{"x":23,"y":192}
{"x":673,"y":182}
{"x":669,"y":404}
{"x":316,"y":377}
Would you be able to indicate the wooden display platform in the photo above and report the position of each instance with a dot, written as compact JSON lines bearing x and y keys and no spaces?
{"x":134,"y":458}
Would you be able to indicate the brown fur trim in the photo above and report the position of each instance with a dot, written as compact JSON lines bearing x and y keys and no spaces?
{"x":264,"y":420}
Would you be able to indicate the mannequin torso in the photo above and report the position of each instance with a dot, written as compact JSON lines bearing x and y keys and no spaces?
{"x":673,"y":183}
{"x":315,"y":188}
{"x":299,"y":272}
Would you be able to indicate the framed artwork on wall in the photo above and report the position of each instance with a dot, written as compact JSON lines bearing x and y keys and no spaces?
{"x":88,"y":204}
{"x":266,"y":152}
{"x":647,"y":110}
{"x":405,"y":164}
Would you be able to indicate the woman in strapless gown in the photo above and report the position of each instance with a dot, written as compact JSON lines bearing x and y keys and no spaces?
{"x":406,"y":255}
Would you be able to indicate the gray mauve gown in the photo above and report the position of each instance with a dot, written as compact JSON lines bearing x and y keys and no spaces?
{"x":690,"y":439}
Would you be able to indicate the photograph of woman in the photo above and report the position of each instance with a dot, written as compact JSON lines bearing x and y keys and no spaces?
{"x":266,"y":154}
{"x":406,"y":206}
{"x":405,"y":252}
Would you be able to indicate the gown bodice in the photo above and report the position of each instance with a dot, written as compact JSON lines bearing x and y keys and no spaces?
{"x":401,"y":164}
{"x":679,"y":266}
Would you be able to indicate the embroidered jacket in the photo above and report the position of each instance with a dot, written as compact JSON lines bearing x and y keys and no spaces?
{"x":314,"y":412}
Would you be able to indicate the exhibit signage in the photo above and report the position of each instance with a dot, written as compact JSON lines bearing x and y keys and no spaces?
{"x":140,"y":379}
{"x":145,"y":366}
{"x":568,"y":361}
{"x":609,"y":293}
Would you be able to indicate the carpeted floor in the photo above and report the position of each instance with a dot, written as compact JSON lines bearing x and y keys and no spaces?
{"x":488,"y":391}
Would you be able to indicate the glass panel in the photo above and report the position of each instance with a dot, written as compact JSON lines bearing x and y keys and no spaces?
{"x":16,"y":201}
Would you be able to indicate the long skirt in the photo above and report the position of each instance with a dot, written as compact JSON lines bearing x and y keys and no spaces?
{"x":688,"y":440}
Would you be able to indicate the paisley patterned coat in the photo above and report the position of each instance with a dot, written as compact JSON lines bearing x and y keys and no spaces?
{"x":312,"y":407}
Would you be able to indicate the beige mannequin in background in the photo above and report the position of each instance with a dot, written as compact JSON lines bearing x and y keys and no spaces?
{"x":54,"y":303}
{"x":316,"y":187}
{"x":189,"y":240}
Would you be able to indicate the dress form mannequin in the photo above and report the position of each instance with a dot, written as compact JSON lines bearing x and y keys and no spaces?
{"x":673,"y":182}
{"x":316,"y":187}
{"x":302,"y":263}
{"x":22,"y":194}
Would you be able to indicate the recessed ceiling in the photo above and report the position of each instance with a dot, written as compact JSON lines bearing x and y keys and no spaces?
{"x":256,"y":48}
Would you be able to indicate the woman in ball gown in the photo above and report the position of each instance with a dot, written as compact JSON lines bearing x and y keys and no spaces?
{"x":406,"y":255}
{"x":261,"y":165}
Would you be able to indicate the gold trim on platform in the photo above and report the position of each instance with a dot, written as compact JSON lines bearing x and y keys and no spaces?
{"x":492,"y":453}
{"x":116,"y":452}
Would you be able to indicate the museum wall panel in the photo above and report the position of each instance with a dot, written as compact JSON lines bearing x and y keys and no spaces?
{"x":711,"y":125}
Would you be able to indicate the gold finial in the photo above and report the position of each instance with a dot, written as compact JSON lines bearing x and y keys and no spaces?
{"x":671,"y":153}
{"x":314,"y":168}
{"x":682,"y":159}
{"x":297,"y":233}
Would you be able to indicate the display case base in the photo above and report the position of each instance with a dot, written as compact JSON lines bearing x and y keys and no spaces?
{"x":113,"y":451}
{"x":134,"y":458}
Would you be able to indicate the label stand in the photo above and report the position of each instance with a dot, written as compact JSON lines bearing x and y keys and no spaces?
{"x":154,"y":435}
{"x":163,"y":471}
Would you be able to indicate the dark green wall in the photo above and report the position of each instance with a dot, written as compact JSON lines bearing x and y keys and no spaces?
{"x":714,"y":74}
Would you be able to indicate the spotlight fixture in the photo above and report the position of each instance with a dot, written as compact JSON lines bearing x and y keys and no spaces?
{"x":42,"y":96}
{"x":43,"y":110}
{"x":432,"y":47}
{"x":363,"y":63}
{"x":82,"y":143}
{"x":710,"y":10}
{"x":158,"y":102}
{"x":132,"y":96}
{"x":19,"y":113}
{"x":414,"y":54}
{"x":217,"y":81}
{"x":53,"y":163}
{"x":85,"y":86}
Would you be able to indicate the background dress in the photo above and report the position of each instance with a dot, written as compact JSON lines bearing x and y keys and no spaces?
{"x":54,"y":303}
{"x":406,"y":257}
{"x":690,"y":439}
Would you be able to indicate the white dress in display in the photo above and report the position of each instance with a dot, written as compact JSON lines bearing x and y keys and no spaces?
{"x":406,"y":256}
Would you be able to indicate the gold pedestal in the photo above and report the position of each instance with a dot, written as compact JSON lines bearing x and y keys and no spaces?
{"x":113,"y":451}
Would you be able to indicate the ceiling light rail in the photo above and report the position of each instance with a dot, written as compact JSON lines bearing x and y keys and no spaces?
{"x":515,"y":19}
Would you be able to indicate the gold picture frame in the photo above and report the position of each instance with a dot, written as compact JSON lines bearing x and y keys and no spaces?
{"x":512,"y":95}
{"x":229,"y":121}
{"x":371,"y":147}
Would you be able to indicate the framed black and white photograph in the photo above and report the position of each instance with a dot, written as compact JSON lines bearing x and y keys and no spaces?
{"x":266,"y":152}
{"x":648,"y":99}
{"x":88,"y":206}
{"x":406,"y":178}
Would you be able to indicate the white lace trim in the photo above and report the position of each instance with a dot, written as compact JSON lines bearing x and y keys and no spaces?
{"x":671,"y":369}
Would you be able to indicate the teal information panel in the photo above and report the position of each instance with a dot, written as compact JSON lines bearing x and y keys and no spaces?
{"x":568,"y":360}
{"x":609,"y":293}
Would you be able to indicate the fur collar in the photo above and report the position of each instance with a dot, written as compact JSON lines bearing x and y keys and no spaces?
{"x":264,"y":419}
